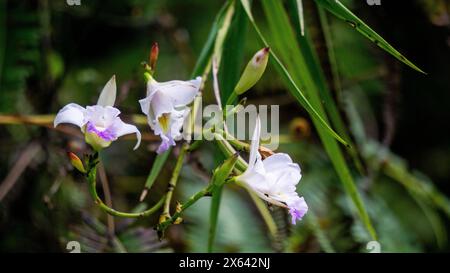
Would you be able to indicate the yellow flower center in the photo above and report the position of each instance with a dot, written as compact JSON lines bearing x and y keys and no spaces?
{"x":164,"y":121}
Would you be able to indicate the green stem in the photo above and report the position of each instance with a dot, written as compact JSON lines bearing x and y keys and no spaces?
{"x":228,"y":151}
{"x":92,"y":183}
{"x":192,"y":200}
{"x":173,"y":181}
{"x":240,"y":145}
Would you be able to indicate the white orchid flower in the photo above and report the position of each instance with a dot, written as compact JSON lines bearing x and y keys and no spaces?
{"x":166,"y":108}
{"x":100,"y":123}
{"x":274,"y":179}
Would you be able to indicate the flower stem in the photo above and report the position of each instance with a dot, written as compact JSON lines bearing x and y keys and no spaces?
{"x":194,"y":198}
{"x":173,"y":182}
{"x":91,"y":175}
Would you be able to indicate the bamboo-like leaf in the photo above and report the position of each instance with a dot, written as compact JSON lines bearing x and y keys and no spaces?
{"x":313,"y":66}
{"x":204,"y":60}
{"x":342,"y":12}
{"x":213,"y":216}
{"x":159,"y":162}
{"x":233,"y":53}
{"x":302,"y":62}
{"x":292,"y":85}
{"x":301,"y":18}
{"x":218,"y":180}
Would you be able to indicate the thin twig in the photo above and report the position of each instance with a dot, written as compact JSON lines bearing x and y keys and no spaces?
{"x":19,"y":167}
{"x":47,"y":122}
{"x":108,"y":199}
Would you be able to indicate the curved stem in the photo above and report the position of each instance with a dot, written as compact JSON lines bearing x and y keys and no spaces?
{"x":92,"y":181}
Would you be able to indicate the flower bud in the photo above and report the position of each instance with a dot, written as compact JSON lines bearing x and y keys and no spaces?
{"x":76,"y":162}
{"x":223,"y":171}
{"x":154,"y":56}
{"x":253,"y":71}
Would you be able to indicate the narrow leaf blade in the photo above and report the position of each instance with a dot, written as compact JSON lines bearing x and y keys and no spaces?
{"x":342,"y":12}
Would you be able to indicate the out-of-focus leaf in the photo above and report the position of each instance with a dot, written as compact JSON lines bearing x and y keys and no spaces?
{"x":204,"y":60}
{"x":342,"y":12}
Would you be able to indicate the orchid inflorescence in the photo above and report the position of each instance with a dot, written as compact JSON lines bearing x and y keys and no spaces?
{"x":167,"y":106}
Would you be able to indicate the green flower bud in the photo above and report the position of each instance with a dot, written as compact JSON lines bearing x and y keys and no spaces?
{"x":253,"y":71}
{"x":76,"y":162}
{"x":222,"y":172}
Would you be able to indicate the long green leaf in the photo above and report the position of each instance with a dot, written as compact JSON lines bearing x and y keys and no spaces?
{"x":292,"y":85}
{"x":233,"y":53}
{"x":313,"y":64}
{"x":159,"y":162}
{"x":218,"y":180}
{"x":204,"y":60}
{"x":302,"y":63}
{"x":342,"y":12}
{"x":229,"y":51}
{"x":214,"y":216}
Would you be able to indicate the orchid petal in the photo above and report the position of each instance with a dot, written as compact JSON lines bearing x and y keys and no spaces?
{"x":298,"y":209}
{"x":181,"y":92}
{"x":121,"y":128}
{"x":101,"y":116}
{"x":71,"y":113}
{"x":281,"y":165}
{"x":177,"y":120}
{"x":108,"y":95}
{"x":161,"y":104}
{"x":165,"y":144}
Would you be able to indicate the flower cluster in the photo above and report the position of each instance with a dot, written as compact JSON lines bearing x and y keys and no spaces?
{"x":166,"y":105}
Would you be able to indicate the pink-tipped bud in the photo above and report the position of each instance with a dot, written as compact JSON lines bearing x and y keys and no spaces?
{"x":253,"y":71}
{"x":76,"y":162}
{"x":154,"y":56}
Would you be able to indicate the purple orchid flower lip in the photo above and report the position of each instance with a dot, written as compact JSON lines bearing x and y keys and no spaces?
{"x":296,"y":215}
{"x":107,"y":135}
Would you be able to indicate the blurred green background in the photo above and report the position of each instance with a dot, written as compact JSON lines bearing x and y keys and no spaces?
{"x":52,"y":53}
